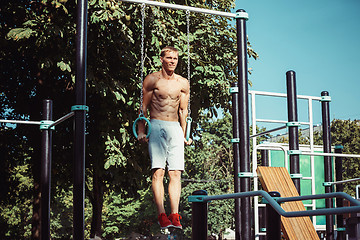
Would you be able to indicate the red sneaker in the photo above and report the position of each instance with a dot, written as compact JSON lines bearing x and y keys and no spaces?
{"x":164,"y":222}
{"x":175,"y":219}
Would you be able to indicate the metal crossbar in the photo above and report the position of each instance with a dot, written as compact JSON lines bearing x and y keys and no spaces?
{"x":276,"y":203}
{"x":331,"y":154}
{"x":62,"y":119}
{"x":20,"y":122}
{"x":284,"y":95}
{"x":57,"y":122}
{"x":185,"y":8}
{"x":268,"y":131}
{"x":344,"y":181}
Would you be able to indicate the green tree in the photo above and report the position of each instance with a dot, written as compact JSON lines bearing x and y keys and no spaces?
{"x":209,"y":166}
{"x":347,"y":134}
{"x":16,"y":187}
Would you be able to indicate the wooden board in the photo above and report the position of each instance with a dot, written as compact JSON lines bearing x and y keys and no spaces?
{"x":278,"y":179}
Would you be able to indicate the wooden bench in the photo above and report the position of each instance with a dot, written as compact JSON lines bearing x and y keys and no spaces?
{"x":278,"y":179}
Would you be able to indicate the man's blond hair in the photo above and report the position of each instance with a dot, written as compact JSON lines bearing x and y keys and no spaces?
{"x":168,"y":49}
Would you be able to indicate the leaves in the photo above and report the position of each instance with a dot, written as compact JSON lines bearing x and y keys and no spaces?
{"x":347,"y":134}
{"x":115,"y":154}
{"x":21,"y":33}
{"x":64,"y":66}
{"x":209,"y":165}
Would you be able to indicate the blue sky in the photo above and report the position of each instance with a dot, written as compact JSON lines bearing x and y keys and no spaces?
{"x":319,"y":40}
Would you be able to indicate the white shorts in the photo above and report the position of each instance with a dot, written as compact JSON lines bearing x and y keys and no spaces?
{"x":166,"y":145}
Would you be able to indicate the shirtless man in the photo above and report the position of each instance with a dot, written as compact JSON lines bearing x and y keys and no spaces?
{"x":166,"y":96}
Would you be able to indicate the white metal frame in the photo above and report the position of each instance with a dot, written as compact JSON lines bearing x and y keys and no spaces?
{"x":304,"y":149}
{"x":282,"y":147}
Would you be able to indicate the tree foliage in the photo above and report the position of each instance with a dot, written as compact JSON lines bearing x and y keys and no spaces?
{"x":347,"y":134}
{"x":209,"y":166}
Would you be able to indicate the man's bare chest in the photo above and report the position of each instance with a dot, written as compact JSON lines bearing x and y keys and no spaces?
{"x":165,"y":89}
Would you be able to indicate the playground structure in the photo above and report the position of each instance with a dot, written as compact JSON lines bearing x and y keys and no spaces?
{"x":243,"y":174}
{"x":241,"y":144}
{"x":312,"y":175}
{"x":200,"y":201}
{"x":289,"y":156}
{"x":78,"y":111}
{"x":47,"y":125}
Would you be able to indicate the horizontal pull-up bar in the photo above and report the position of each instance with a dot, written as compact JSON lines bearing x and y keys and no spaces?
{"x":20,"y":122}
{"x":191,"y":9}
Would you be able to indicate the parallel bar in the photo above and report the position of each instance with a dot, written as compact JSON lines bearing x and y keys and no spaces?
{"x":181,"y":7}
{"x":281,"y":211}
{"x":268,"y":131}
{"x":320,"y":196}
{"x":331,"y":154}
{"x":20,"y":122}
{"x":62,"y":119}
{"x":345,"y":181}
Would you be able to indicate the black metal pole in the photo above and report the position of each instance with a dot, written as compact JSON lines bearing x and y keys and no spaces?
{"x":325,"y":108}
{"x":264,"y":157}
{"x":199,"y":218}
{"x":46,"y":152}
{"x":273,"y":221}
{"x":293,"y":130}
{"x":341,"y":234}
{"x":246,"y":218}
{"x":262,"y":210}
{"x":236,"y":148}
{"x":79,"y":132}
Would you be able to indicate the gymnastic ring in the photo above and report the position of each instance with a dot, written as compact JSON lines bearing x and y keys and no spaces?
{"x":188,"y":128}
{"x":141,"y":117}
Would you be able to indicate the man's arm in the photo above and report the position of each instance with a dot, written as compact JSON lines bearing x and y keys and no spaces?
{"x":147,"y":89}
{"x":183,"y":107}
